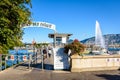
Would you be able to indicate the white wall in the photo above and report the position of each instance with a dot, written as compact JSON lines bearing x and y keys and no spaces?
{"x":64,"y":40}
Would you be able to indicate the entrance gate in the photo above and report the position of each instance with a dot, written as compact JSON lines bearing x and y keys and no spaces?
{"x":46,"y":61}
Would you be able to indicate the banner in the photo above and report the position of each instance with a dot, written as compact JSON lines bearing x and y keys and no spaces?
{"x":41,"y":24}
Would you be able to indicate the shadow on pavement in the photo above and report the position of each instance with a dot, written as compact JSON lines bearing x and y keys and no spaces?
{"x":18,"y":65}
{"x":109,"y":77}
{"x":36,"y":66}
{"x":46,"y":66}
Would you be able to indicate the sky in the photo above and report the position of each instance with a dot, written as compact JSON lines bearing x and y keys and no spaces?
{"x":77,"y":17}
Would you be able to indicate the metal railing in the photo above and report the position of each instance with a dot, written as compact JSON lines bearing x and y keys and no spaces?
{"x":13,"y":59}
{"x":7,"y":60}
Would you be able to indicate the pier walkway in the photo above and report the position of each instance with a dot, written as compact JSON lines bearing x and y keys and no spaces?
{"x":21,"y":72}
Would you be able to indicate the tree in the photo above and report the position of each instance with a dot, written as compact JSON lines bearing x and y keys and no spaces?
{"x":76,"y":47}
{"x":13,"y":13}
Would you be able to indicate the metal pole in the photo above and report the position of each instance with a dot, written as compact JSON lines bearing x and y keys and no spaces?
{"x":5,"y":61}
{"x":16,"y":54}
{"x":54,"y":39}
{"x":42,"y":58}
{"x":29,"y":61}
{"x":35,"y":57}
{"x":1,"y":62}
{"x":47,"y":51}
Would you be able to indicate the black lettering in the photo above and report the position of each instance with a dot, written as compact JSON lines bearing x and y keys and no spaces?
{"x":34,"y":24}
{"x":37,"y":24}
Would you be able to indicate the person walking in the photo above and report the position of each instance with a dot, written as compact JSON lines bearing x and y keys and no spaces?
{"x":44,"y":53}
{"x":49,"y":52}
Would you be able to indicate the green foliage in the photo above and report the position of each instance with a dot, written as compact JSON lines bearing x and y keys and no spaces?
{"x":76,"y":47}
{"x":39,"y":45}
{"x":13,"y":13}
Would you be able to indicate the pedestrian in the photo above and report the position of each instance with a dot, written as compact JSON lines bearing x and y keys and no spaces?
{"x":49,"y":52}
{"x":44,"y":53}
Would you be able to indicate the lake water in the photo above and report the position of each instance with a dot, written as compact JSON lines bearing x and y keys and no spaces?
{"x":113,"y":49}
{"x":17,"y":57}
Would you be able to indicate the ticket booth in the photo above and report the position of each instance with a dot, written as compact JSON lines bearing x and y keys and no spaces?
{"x":60,"y":38}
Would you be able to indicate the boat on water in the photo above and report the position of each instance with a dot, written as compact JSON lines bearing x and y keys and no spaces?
{"x":100,"y":52}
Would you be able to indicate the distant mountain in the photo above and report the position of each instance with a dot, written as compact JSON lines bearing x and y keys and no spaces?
{"x":70,"y":41}
{"x":109,"y":39}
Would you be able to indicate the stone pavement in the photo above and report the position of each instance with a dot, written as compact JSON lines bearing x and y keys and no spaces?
{"x":21,"y":72}
{"x":37,"y":74}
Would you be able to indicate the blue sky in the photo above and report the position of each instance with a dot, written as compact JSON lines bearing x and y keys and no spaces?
{"x":77,"y":17}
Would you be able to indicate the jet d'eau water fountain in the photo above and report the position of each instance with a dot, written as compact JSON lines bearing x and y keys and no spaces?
{"x":100,"y":47}
{"x":99,"y":39}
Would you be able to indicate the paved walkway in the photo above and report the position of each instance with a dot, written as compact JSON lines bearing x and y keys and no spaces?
{"x":37,"y":74}
{"x":22,"y":73}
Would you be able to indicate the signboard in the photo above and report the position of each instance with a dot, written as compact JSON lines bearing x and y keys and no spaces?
{"x":24,"y":57}
{"x":60,"y":59}
{"x":41,"y":24}
{"x":12,"y":57}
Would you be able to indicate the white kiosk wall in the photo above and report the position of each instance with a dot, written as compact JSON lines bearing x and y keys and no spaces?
{"x":64,"y":40}
{"x":60,"y":59}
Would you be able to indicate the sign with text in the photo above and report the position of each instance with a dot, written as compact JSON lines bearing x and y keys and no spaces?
{"x":41,"y":24}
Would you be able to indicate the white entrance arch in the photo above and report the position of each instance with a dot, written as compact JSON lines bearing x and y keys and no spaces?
{"x":42,"y":25}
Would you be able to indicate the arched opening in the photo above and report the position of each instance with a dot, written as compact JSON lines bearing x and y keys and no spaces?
{"x":36,"y":31}
{"x":31,"y":30}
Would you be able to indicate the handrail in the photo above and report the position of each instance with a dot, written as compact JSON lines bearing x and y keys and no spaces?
{"x":14,"y":60}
